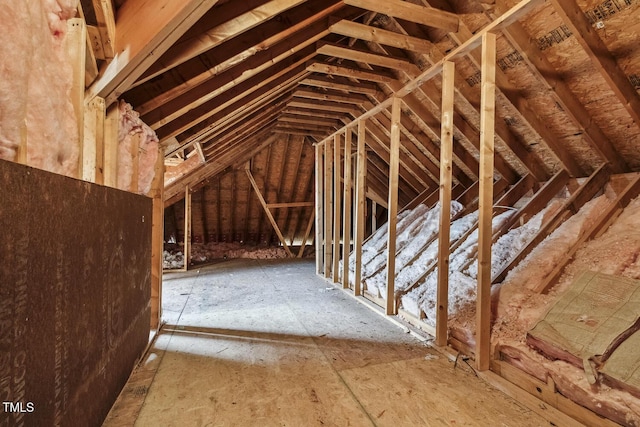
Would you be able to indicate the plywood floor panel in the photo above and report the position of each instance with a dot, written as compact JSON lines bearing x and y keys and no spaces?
{"x":269,"y":343}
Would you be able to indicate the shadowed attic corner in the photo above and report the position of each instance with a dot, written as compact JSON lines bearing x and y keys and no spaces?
{"x":456,"y":163}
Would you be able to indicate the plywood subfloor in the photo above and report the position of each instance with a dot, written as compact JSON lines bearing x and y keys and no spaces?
{"x":268,"y":343}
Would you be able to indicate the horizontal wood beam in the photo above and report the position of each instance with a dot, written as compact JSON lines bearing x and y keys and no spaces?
{"x":356,"y":55}
{"x":411,"y":12}
{"x":378,"y":35}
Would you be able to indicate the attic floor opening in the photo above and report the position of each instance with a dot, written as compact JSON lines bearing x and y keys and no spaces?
{"x":257,"y":342}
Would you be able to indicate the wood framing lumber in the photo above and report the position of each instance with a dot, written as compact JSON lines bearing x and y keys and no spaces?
{"x":394,"y":163}
{"x":337,"y":203}
{"x":272,"y":220}
{"x":145,"y":30}
{"x":328,"y":207}
{"x":346,"y":214}
{"x":564,"y":96}
{"x":76,"y":46}
{"x":515,"y":13}
{"x":290,"y":205}
{"x":587,"y":190}
{"x":600,"y":56}
{"x":356,"y":55}
{"x":361,"y":205}
{"x":105,"y":18}
{"x":446,"y":166}
{"x":600,"y":226}
{"x":307,"y":232}
{"x":188,"y":48}
{"x":410,"y":12}
{"x":378,"y":35}
{"x":187,"y":228}
{"x":157,"y":242}
{"x":487,"y":119}
{"x":319,"y":174}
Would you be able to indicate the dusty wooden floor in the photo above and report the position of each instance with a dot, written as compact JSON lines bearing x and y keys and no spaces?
{"x":268,"y":343}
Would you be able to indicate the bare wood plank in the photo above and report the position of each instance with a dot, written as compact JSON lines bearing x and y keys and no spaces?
{"x":105,"y":18}
{"x":145,"y":29}
{"x":378,"y":35}
{"x":328,"y":207}
{"x":515,"y":13}
{"x":187,"y":228}
{"x":446,"y":165}
{"x":274,"y":224}
{"x":600,"y":226}
{"x":387,"y":61}
{"x":572,"y":106}
{"x":587,"y":190}
{"x":319,"y":208}
{"x":600,"y":56}
{"x":341,"y":83}
{"x":411,"y":12}
{"x":290,"y":205}
{"x":330,"y":95}
{"x":111,"y":147}
{"x":344,"y":71}
{"x":157,"y":242}
{"x":306,"y":234}
{"x":184,"y":50}
{"x":135,"y":161}
{"x":337,"y":203}
{"x":346,"y":215}
{"x":361,"y":205}
{"x":76,"y":46}
{"x":394,"y":165}
{"x":487,"y":119}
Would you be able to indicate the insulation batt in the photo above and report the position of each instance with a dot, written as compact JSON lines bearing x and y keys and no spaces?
{"x":132,"y":130}
{"x":35,"y":85}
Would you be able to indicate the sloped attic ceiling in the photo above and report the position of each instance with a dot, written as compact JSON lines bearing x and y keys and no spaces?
{"x":219,"y":81}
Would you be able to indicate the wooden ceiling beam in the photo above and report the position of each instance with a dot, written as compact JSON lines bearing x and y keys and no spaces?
{"x":208,"y":39}
{"x":330,"y":95}
{"x":175,"y":191}
{"x":356,"y":55}
{"x":235,"y":113}
{"x":467,"y":99}
{"x":287,"y":130}
{"x":302,"y":119}
{"x":209,"y":109}
{"x":323,"y":105}
{"x":341,"y":83}
{"x":144,"y":31}
{"x":236,"y":126}
{"x":411,"y":12}
{"x":381,"y":36}
{"x":308,"y":111}
{"x":351,"y":72}
{"x":600,"y":56}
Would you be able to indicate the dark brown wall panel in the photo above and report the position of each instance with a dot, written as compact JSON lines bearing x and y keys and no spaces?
{"x":75,"y":264}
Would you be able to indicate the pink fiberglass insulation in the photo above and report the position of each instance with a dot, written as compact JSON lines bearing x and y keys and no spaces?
{"x":134,"y":134}
{"x":35,"y":84}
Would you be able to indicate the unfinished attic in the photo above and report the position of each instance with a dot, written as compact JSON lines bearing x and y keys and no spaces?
{"x":470,"y":170}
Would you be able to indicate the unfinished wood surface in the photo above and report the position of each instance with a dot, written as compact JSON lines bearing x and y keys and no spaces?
{"x":93,"y":141}
{"x":600,"y":225}
{"x":111,"y":147}
{"x":187,"y":228}
{"x":394,"y":150}
{"x":487,"y":113}
{"x":76,"y":46}
{"x":411,"y":12}
{"x":328,"y":207}
{"x":272,"y":220}
{"x":446,"y":160}
{"x":157,"y":242}
{"x":334,"y":375}
{"x":346,"y":215}
{"x":337,"y":203}
{"x":319,"y":211}
{"x":144,"y":27}
{"x":361,"y":206}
